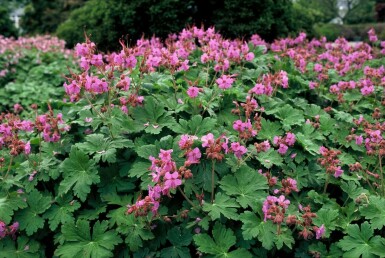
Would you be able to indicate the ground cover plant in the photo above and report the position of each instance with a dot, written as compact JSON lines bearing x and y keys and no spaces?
{"x":30,"y":70}
{"x":202,"y":146}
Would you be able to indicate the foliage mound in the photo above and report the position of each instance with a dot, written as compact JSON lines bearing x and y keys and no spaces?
{"x":30,"y":70}
{"x":202,"y":146}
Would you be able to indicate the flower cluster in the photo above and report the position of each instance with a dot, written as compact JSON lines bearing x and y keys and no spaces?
{"x":283,"y":142}
{"x":305,"y":223}
{"x":8,"y":230}
{"x":330,"y":161}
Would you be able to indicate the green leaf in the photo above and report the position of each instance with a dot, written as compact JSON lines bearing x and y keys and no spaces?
{"x":269,"y":130}
{"x":375,"y":212}
{"x":79,"y":242}
{"x":220,"y":243}
{"x":79,"y":174}
{"x":175,"y":252}
{"x":136,"y":231}
{"x":307,"y":138}
{"x":61,"y":211}
{"x":360,"y":241}
{"x":29,"y":218}
{"x":247,"y":185}
{"x":9,"y":203}
{"x":178,"y":237}
{"x":270,"y":158}
{"x":288,"y":116}
{"x":353,"y":189}
{"x":267,"y":233}
{"x":328,"y":218}
{"x":285,"y":238}
{"x":103,"y":148}
{"x":22,"y":248}
{"x":250,"y":227}
{"x":195,"y":126}
{"x":139,"y":169}
{"x":223,"y":205}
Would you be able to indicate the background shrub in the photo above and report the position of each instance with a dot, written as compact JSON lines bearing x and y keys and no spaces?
{"x":108,"y":22}
{"x":7,"y":28}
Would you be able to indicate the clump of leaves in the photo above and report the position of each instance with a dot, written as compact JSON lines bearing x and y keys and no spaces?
{"x":200,"y":146}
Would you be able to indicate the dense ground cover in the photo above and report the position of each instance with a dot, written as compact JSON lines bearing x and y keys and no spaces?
{"x":202,"y":146}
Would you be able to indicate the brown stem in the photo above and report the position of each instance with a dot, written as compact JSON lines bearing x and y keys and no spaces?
{"x":187,"y":199}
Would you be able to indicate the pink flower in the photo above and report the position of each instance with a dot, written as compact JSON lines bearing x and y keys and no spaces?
{"x":359,"y":139}
{"x":192,"y":92}
{"x":367,"y":90}
{"x":338,"y":172}
{"x":172,"y":180}
{"x":207,"y":140}
{"x":225,"y":81}
{"x":258,"y":89}
{"x":238,"y":126}
{"x":249,"y":56}
{"x":313,"y":85}
{"x":3,"y":230}
{"x":276,"y":139}
{"x":165,"y":155}
{"x":323,"y":150}
{"x":284,"y":203}
{"x":194,"y":156}
{"x":27,"y":148}
{"x":238,"y":149}
{"x":318,"y":68}
{"x":284,"y":79}
{"x":265,"y":145}
{"x":282,"y":149}
{"x":320,"y":232}
{"x":290,"y":139}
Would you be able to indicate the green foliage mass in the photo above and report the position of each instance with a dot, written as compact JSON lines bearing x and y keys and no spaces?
{"x":92,"y":191}
{"x":7,"y":27}
{"x":107,"y":22}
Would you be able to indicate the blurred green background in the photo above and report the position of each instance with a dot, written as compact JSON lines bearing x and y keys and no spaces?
{"x":108,"y":21}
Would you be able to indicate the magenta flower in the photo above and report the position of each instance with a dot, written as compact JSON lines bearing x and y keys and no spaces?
{"x":172,"y":180}
{"x":27,"y":148}
{"x":338,"y":172}
{"x":194,"y":156}
{"x":3,"y":229}
{"x":282,"y":149}
{"x":207,"y":140}
{"x":238,"y":149}
{"x":258,"y":89}
{"x":225,"y":81}
{"x":192,"y":92}
{"x":320,"y":232}
{"x":359,"y":139}
{"x":290,"y":139}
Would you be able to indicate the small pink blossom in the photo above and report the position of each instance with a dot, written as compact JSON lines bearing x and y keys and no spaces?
{"x":172,"y":180}
{"x":238,"y":149}
{"x":290,"y":139}
{"x":282,"y":149}
{"x":192,"y":92}
{"x":194,"y":156}
{"x":225,"y":81}
{"x":320,"y":232}
{"x":207,"y":140}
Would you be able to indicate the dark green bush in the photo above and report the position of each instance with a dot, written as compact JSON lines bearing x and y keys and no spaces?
{"x":41,"y":16}
{"x":107,"y":22}
{"x":354,"y":32}
{"x":7,"y":28}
